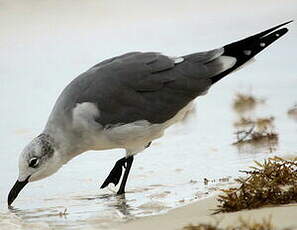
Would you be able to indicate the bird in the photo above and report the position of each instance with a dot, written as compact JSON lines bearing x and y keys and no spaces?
{"x":127,"y":102}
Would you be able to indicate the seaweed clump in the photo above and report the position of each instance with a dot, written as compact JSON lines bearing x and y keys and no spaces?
{"x":272,"y":183}
{"x":256,"y":131}
{"x":252,"y":133}
{"x":243,"y":103}
{"x":265,"y":224}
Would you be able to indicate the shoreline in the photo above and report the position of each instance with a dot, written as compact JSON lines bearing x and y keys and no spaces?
{"x":200,"y":212}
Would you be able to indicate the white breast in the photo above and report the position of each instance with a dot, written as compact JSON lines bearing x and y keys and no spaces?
{"x":132,"y":136}
{"x":136,"y":135}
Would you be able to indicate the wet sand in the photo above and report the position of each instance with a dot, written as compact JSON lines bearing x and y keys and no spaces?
{"x":201,"y":213}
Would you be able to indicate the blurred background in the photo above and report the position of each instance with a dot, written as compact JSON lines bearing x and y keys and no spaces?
{"x":45,"y":44}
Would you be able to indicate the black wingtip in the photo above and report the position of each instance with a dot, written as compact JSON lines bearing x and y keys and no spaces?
{"x":261,"y":34}
{"x":285,"y":23}
{"x":253,"y":44}
{"x":288,"y":22}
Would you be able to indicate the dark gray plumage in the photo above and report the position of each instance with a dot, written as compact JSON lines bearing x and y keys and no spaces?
{"x":144,"y":86}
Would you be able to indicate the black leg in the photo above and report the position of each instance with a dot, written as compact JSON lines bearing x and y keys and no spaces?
{"x":115,"y":174}
{"x":129,"y":161}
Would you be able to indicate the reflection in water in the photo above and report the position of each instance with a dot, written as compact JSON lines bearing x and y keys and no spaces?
{"x":122,"y":205}
{"x":264,"y":144}
{"x":40,"y":213}
{"x":113,"y":201}
{"x":118,"y":205}
{"x":118,"y":202}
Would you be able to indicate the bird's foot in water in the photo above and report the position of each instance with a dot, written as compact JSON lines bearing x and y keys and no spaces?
{"x":115,"y":174}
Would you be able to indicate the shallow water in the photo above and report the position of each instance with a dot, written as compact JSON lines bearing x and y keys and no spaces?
{"x":44,"y":44}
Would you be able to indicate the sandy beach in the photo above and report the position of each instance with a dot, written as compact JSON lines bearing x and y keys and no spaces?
{"x":282,"y":217}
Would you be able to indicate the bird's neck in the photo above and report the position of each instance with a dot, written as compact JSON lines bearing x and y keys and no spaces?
{"x":68,"y":146}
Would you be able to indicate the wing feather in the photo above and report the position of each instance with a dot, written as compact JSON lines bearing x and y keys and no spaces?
{"x":143,"y":86}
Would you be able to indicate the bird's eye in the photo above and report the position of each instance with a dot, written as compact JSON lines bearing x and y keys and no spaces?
{"x":33,"y":162}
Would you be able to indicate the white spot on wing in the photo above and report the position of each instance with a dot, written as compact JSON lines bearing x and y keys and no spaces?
{"x":227,"y":62}
{"x":262,"y":44}
{"x":247,"y":52}
{"x":177,"y":60}
{"x":83,"y":114}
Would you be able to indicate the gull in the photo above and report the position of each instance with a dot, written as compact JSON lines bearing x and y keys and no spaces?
{"x":127,"y":102}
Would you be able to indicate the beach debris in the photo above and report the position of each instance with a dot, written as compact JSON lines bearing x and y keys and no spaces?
{"x":64,"y":213}
{"x":253,"y":134}
{"x":178,"y":170}
{"x":193,"y":181}
{"x":246,"y":102}
{"x":265,"y":224}
{"x":205,"y":181}
{"x":256,"y":131}
{"x":292,"y":112}
{"x":222,"y":180}
{"x":272,"y":182}
{"x":225,"y":179}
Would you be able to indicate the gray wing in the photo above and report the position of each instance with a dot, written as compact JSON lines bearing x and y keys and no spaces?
{"x":144,"y":86}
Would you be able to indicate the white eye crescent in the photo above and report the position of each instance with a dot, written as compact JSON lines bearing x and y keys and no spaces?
{"x":33,"y":163}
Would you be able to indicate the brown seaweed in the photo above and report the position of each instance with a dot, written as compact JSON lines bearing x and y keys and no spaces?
{"x":273,"y":182}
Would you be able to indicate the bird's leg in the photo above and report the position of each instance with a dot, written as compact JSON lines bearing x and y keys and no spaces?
{"x":129,"y":161}
{"x":115,"y":174}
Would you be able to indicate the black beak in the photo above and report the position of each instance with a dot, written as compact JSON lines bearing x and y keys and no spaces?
{"x":14,"y":192}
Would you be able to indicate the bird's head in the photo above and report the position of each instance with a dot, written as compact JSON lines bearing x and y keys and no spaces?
{"x":38,"y":160}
